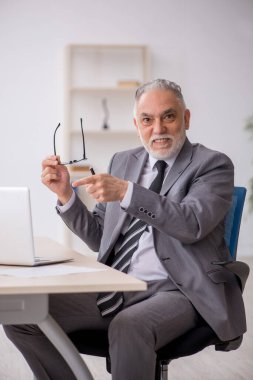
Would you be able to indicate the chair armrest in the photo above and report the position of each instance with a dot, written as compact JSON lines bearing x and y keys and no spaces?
{"x":230,"y":345}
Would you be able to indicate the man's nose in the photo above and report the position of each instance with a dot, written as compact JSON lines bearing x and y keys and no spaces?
{"x":159,"y":127}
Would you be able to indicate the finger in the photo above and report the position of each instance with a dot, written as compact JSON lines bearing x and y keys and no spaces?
{"x":49,"y":170}
{"x":50,"y":177}
{"x":77,"y":183}
{"x":91,"y":190}
{"x":52,"y":157}
{"x":58,"y":159}
{"x":84,"y":181}
{"x":50,"y":161}
{"x":94,"y":194}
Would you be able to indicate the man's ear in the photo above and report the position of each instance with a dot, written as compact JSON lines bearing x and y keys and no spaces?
{"x":135,"y":123}
{"x":187,"y":116}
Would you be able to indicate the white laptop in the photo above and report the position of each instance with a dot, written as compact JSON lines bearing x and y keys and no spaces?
{"x":17,"y":245}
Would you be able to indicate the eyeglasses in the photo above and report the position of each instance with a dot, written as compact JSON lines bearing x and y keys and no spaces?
{"x":73,"y":161}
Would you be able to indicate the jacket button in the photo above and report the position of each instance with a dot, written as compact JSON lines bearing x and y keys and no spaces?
{"x":149,"y":214}
{"x":153,"y":216}
{"x":141,"y":209}
{"x":145,"y":211}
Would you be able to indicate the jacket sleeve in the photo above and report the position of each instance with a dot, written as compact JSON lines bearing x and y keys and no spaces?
{"x":201,"y":203}
{"x":87,"y":225}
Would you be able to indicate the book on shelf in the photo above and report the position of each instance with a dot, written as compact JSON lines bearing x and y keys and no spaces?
{"x":128,"y":83}
{"x":79,"y":171}
{"x":79,"y":168}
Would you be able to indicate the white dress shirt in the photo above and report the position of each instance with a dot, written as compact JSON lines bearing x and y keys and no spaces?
{"x":145,"y":264}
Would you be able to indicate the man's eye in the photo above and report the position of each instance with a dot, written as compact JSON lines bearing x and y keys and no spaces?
{"x":169,"y":116}
{"x":146,"y":120}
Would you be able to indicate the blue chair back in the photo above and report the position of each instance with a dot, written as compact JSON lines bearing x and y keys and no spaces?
{"x":233,"y":220}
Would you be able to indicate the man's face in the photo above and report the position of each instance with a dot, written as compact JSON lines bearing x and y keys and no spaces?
{"x":161,"y":120}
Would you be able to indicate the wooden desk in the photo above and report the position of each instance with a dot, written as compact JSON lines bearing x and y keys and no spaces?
{"x":25,"y":300}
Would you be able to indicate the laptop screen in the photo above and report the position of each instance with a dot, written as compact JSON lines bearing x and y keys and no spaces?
{"x":16,"y":233}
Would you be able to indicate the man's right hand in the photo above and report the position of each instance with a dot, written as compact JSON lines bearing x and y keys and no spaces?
{"x":56,"y":178}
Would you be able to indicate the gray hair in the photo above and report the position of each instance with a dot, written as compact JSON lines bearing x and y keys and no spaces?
{"x":162,"y":84}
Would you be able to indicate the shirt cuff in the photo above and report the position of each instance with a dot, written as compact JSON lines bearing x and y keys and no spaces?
{"x":128,"y":196}
{"x":66,"y":207}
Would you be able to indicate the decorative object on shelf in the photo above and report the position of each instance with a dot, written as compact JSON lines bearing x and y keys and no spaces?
{"x":106,"y":114}
{"x":128,"y":83}
{"x":249,"y":128}
{"x":80,"y":168}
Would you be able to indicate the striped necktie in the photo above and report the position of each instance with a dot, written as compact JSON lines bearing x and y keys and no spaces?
{"x":110,"y":303}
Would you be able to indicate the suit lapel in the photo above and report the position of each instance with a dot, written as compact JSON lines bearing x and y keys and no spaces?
{"x":181,"y":163}
{"x":135,"y":164}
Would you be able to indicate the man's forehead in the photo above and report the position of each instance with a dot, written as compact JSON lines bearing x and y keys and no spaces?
{"x":162,"y":111}
{"x":157,"y":101}
{"x":158,"y":97}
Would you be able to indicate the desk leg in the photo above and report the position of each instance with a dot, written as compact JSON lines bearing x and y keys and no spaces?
{"x":66,"y":348}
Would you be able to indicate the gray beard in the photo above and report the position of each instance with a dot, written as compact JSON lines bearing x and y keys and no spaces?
{"x":177,"y":143}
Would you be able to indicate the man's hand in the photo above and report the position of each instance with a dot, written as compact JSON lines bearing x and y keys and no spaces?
{"x":104,"y":187}
{"x":56,"y":178}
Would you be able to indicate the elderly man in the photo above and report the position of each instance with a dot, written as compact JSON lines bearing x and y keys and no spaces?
{"x":159,"y":217}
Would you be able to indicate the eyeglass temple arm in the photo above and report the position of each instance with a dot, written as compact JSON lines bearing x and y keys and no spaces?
{"x":54,"y":137}
{"x":84,"y":155}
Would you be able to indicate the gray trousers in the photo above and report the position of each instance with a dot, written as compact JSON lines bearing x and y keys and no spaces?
{"x":149,"y":320}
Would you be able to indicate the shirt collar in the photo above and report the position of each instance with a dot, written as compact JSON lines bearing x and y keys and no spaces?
{"x":169,"y":161}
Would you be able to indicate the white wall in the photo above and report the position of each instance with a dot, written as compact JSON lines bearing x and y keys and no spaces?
{"x":206,"y":46}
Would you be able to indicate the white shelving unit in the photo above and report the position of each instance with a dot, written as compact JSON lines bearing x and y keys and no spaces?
{"x":100,"y":83}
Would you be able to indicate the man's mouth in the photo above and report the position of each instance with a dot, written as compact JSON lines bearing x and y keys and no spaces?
{"x":161,"y":141}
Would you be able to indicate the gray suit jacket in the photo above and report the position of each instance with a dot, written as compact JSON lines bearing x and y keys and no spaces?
{"x":188,"y":229}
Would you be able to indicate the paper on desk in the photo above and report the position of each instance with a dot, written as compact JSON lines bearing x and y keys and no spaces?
{"x":47,"y":270}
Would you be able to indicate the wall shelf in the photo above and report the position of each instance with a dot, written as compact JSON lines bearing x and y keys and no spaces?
{"x":106,"y":133}
{"x":100,"y":84}
{"x":102,"y":89}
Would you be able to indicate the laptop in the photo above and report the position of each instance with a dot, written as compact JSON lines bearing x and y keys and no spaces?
{"x":17,"y":244}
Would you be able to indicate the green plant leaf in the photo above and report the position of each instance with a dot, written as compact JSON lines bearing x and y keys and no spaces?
{"x":251,"y":195}
{"x":249,"y":125}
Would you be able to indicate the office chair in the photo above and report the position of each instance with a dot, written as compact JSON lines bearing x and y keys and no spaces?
{"x":95,"y":342}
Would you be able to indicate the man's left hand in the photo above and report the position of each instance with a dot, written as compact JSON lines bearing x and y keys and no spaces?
{"x":104,"y":187}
